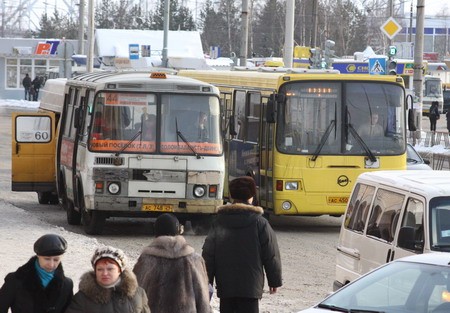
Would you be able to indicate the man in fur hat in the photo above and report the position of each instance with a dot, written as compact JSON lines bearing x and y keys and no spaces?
{"x":239,"y":248}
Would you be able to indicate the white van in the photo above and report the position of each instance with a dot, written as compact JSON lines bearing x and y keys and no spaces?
{"x":392,"y":214}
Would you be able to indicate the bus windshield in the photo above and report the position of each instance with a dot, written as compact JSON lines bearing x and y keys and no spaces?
{"x":152,"y":123}
{"x":433,"y":87}
{"x":354,"y":118}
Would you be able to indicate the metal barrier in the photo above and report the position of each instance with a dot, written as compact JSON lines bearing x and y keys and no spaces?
{"x":438,"y":161}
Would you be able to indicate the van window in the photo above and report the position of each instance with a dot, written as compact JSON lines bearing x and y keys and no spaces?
{"x":384,"y":215}
{"x":358,"y":208}
{"x":440,"y":224}
{"x":413,"y":217}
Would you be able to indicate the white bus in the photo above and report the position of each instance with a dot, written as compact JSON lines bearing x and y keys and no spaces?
{"x":107,"y":165}
{"x":432,"y":91}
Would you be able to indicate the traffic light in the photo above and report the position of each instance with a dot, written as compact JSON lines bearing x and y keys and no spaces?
{"x":392,"y":67}
{"x":392,"y":51}
{"x":329,"y":53}
{"x":314,"y":58}
{"x":392,"y":64}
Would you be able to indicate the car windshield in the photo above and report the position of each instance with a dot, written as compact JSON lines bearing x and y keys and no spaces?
{"x":397,"y":287}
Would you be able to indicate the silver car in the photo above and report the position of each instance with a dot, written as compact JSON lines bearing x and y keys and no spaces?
{"x":414,"y":161}
{"x":414,"y":284}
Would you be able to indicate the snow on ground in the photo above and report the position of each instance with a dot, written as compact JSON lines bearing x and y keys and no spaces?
{"x":17,"y":237}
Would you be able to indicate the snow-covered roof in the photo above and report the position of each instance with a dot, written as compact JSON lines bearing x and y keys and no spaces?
{"x":115,"y":42}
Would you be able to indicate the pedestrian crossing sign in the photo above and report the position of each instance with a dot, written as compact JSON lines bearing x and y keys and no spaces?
{"x":377,"y":66}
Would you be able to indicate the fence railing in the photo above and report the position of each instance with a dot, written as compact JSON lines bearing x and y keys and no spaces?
{"x":438,"y":160}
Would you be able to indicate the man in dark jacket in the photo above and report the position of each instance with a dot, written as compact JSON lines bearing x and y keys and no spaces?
{"x":239,"y":248}
{"x":26,"y":82}
{"x":40,"y":285}
{"x":36,"y":86}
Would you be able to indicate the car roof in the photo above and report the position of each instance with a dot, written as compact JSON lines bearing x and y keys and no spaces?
{"x":431,"y":183}
{"x":435,"y":258}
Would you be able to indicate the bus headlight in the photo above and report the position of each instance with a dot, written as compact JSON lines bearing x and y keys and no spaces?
{"x":114,"y":188}
{"x":199,"y":191}
{"x":286,"y":205}
{"x":291,"y":185}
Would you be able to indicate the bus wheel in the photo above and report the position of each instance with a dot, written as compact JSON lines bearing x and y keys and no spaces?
{"x":44,"y":197}
{"x":201,"y":226}
{"x":93,"y":221}
{"x":73,"y":216}
{"x":54,"y":198}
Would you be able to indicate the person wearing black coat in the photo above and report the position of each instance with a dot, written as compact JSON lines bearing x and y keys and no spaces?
{"x":26,"y":82}
{"x":239,"y":248}
{"x":36,"y":86}
{"x":447,"y":116}
{"x":39,"y":286}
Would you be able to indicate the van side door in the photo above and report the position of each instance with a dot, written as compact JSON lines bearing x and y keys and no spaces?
{"x":33,"y":154}
{"x":351,"y":237}
{"x":379,"y":245}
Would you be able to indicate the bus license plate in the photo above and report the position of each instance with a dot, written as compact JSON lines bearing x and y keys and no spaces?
{"x":337,"y":200}
{"x":157,"y":207}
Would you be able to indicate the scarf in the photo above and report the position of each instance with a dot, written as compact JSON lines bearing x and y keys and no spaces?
{"x":44,"y":276}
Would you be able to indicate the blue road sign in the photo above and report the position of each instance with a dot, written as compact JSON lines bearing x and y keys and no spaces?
{"x":377,"y":66}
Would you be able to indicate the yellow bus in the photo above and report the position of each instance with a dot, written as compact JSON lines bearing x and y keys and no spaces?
{"x":128,"y":145}
{"x":306,"y":135}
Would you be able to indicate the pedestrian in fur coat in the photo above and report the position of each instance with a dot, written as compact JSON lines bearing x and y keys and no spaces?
{"x":39,"y":286}
{"x":110,"y":287}
{"x":171,"y":272}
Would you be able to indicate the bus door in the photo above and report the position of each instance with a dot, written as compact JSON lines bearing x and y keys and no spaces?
{"x":68,"y":149}
{"x":265,"y":154}
{"x":33,"y":154}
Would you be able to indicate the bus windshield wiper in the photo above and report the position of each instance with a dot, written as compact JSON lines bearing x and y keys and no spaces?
{"x":323,"y":140}
{"x":362,"y":143}
{"x":128,"y":143}
{"x":179,"y":134}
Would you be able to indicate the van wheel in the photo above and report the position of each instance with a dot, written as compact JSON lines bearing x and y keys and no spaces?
{"x":93,"y":221}
{"x":44,"y":197}
{"x":73,"y":216}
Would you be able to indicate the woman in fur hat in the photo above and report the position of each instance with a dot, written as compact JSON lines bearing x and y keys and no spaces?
{"x":40,"y":285}
{"x":240,"y":247}
{"x":110,"y":287}
{"x":170,"y":271}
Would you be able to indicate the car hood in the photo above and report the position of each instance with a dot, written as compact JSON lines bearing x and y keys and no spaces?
{"x":314,"y":310}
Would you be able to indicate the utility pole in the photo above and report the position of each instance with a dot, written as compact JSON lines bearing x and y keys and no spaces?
{"x":81,"y":28}
{"x":391,"y":14}
{"x":244,"y":38}
{"x":165,"y":57}
{"x":314,"y":23}
{"x":3,"y":18}
{"x":418,"y":67}
{"x":289,"y":34}
{"x":91,"y":38}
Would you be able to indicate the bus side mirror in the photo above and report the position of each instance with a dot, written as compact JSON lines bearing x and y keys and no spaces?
{"x":77,"y":118}
{"x":410,"y":109}
{"x":271,"y":108}
{"x":233,"y":123}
